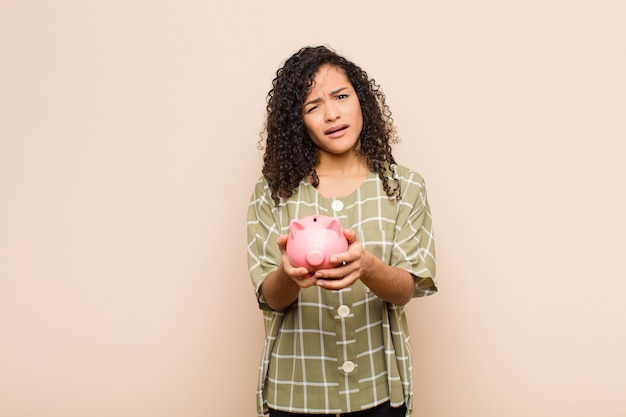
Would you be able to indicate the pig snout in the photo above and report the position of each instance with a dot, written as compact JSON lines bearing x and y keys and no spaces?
{"x":315,"y":257}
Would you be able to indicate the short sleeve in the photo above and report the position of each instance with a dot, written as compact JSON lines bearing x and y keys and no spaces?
{"x":414,"y":244}
{"x":263,"y":252}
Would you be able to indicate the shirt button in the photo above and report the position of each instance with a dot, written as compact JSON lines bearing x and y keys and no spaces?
{"x":348,"y":366}
{"x":337,"y":205}
{"x":344,"y":311}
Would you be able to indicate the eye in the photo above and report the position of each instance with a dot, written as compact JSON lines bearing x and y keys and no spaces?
{"x":342,"y":96}
{"x":310,"y":109}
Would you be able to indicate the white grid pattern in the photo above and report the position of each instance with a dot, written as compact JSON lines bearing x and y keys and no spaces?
{"x":307,"y":344}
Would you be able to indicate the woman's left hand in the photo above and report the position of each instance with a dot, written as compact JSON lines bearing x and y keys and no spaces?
{"x":393,"y":285}
{"x":348,"y":266}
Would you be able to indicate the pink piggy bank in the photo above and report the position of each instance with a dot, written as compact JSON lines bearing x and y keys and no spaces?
{"x":313,"y":240}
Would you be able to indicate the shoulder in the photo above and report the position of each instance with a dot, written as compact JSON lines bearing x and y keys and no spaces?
{"x":261,"y":193}
{"x":261,"y":183}
{"x":408,"y":177}
{"x":261,"y":187}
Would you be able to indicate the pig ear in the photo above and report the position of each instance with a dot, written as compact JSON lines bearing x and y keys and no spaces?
{"x":295,"y":226}
{"x":334,"y":225}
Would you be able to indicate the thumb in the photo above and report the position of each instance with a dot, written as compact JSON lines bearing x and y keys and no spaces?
{"x":350,"y":235}
{"x":282,"y":241}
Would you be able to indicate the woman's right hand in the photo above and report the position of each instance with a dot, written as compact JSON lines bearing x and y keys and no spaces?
{"x":299,"y":275}
{"x":282,"y":287}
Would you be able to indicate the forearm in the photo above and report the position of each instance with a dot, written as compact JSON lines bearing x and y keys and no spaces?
{"x":393,"y":285}
{"x":279,"y":290}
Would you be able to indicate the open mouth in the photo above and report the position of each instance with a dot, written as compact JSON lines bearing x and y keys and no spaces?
{"x":335,"y":130}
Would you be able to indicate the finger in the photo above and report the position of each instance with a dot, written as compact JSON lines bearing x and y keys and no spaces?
{"x":306,"y":281}
{"x":329,"y":284}
{"x":350,"y":236}
{"x":340,"y":271}
{"x":339,"y":260}
{"x":335,"y":284}
{"x":281,"y":241}
{"x":297,"y":273}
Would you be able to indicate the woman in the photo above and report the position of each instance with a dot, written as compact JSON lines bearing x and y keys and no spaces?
{"x":336,"y":339}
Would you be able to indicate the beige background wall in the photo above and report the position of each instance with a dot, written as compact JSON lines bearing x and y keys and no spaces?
{"x":128,"y":135}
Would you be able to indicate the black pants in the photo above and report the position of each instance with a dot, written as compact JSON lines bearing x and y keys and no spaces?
{"x":383,"y":410}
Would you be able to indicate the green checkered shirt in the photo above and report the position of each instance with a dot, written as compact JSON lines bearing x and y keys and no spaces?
{"x":347,"y":350}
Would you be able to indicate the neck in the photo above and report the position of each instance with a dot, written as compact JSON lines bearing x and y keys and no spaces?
{"x":350,"y":164}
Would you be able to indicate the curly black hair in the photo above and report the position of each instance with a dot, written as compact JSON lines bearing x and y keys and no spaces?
{"x":290,"y":155}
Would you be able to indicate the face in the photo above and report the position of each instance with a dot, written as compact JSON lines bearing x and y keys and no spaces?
{"x":332,"y":112}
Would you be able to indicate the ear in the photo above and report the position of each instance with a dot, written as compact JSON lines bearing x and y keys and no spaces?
{"x":294,"y":227}
{"x":334,"y":225}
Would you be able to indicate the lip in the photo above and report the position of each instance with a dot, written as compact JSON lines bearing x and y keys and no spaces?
{"x":336,"y":130}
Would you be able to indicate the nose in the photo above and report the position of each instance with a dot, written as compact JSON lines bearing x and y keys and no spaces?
{"x":332,"y":112}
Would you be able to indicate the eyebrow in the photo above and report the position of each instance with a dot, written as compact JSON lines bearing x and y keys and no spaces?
{"x":332,"y":93}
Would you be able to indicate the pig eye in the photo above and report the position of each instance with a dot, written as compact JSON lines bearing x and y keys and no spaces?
{"x":314,"y":219}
